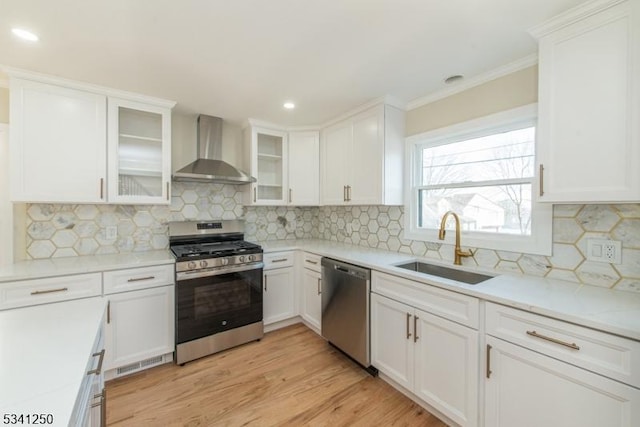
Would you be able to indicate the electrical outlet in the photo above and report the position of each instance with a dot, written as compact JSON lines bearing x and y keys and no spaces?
{"x":603,"y":250}
{"x":111,"y":232}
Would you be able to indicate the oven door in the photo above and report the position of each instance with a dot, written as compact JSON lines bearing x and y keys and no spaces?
{"x":216,"y":301}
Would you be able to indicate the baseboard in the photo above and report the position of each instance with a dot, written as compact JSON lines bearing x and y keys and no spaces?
{"x":282,"y":324}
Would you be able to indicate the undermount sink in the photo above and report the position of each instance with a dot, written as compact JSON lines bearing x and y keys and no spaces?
{"x":445,"y":272}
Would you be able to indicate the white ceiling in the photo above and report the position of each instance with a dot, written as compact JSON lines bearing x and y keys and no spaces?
{"x":243,"y":58}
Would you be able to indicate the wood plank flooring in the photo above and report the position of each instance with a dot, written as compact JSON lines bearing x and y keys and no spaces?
{"x":292,"y":377}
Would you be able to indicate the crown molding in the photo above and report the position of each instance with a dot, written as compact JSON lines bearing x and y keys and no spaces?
{"x":89,"y":87}
{"x":571,"y":16}
{"x":468,"y":83}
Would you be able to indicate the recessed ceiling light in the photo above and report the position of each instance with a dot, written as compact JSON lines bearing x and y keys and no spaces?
{"x":453,"y":79}
{"x":24,"y":34}
{"x":289,"y":105}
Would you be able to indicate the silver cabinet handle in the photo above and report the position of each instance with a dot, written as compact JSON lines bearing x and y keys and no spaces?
{"x":541,"y":179}
{"x":99,"y":368}
{"x":311,"y":262}
{"x":344,"y":193}
{"x":280,"y":260}
{"x":348,"y":193}
{"x":408,"y":319}
{"x":49,"y":291}
{"x":168,"y":190}
{"x":101,"y":188}
{"x":488,"y":361}
{"x":140,"y":279}
{"x":103,"y":406}
{"x":255,"y":194}
{"x":415,"y":329}
{"x":108,"y":312}
{"x":572,"y":346}
{"x":319,"y":286}
{"x":265,"y":283}
{"x":290,"y":196}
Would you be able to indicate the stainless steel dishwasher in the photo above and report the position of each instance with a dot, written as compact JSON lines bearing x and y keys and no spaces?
{"x":345,"y":309}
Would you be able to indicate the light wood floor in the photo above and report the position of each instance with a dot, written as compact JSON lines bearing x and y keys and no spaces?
{"x":292,"y":377}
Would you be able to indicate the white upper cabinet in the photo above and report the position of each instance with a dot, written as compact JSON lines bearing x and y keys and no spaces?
{"x":362,"y":158}
{"x":139,"y":152}
{"x":77,"y":143}
{"x":285,"y":165}
{"x":589,"y":104}
{"x":304,"y":168}
{"x":57,"y":144}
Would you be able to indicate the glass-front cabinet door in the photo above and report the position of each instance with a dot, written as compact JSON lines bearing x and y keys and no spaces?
{"x":269,"y":167}
{"x":139,"y":138}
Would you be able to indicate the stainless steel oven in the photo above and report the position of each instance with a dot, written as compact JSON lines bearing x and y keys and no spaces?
{"x":218,"y":288}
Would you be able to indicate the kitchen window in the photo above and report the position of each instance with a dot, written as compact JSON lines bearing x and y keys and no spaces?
{"x":484,"y":170}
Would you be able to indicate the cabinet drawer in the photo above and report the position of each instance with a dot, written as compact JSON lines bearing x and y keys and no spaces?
{"x":459,"y":308}
{"x":277,"y":260}
{"x":138,"y":278}
{"x":311,"y":261}
{"x":51,"y":289}
{"x":606,"y":354}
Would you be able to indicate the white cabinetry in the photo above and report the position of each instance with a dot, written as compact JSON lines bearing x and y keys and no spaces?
{"x":61,"y":133}
{"x":362,"y":158}
{"x":90,"y":409}
{"x":140,"y":318}
{"x":25,"y":293}
{"x":530,"y":384}
{"x":430,"y":356}
{"x":304,"y":168}
{"x":589,"y":104}
{"x":57,"y":144}
{"x":139,"y":152}
{"x":286,"y":166}
{"x":311,"y":304}
{"x":278,"y":287}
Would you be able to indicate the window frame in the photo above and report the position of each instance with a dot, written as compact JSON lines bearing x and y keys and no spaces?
{"x":538,"y":242}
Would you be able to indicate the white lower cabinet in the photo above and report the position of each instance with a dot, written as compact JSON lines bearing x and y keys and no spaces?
{"x":278,"y":287}
{"x":278,"y":295}
{"x":140,"y":321}
{"x":311,"y":310}
{"x":546,"y":372}
{"x":528,"y":389}
{"x":140,"y":326}
{"x":434,"y":358}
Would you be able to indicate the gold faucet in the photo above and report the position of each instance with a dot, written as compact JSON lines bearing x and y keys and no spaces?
{"x":459,"y":253}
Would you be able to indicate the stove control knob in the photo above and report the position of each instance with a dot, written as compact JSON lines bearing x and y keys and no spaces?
{"x":252,"y":258}
{"x":203,"y":264}
{"x":191,"y":265}
{"x":241,"y":258}
{"x":224,"y":261}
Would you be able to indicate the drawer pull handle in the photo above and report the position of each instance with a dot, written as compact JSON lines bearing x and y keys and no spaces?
{"x":311,"y":262}
{"x":139,"y":279}
{"x":572,"y":346}
{"x":489,"y":361}
{"x":415,"y":329}
{"x":319,"y":286}
{"x":49,"y":291}
{"x":408,"y":319}
{"x":99,"y":368}
{"x":265,"y":283}
{"x":280,"y":260}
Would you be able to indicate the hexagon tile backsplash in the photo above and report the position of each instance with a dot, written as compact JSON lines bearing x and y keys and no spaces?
{"x":71,"y":230}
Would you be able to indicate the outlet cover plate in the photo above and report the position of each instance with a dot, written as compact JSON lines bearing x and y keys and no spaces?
{"x":603,"y":250}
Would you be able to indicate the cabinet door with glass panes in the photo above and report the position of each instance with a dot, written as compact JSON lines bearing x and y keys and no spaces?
{"x":269,"y":167}
{"x":139,"y":148}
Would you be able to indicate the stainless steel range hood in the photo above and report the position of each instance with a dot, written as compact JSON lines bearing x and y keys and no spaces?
{"x":209,"y":167}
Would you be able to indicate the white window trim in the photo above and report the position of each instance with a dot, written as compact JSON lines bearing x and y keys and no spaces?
{"x":540,"y":241}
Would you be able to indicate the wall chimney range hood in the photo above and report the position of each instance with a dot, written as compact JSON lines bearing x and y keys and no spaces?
{"x":209,"y":167}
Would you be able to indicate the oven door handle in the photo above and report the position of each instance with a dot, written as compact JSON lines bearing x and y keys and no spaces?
{"x":185,"y":275}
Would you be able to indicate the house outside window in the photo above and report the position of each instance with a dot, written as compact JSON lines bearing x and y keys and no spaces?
{"x":483,"y":170}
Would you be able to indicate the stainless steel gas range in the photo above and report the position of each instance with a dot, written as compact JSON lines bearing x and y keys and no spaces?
{"x":218,"y":287}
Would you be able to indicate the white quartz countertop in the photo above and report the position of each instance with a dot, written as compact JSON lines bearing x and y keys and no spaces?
{"x":34,"y":269}
{"x":612,"y":311}
{"x":44,"y":352}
